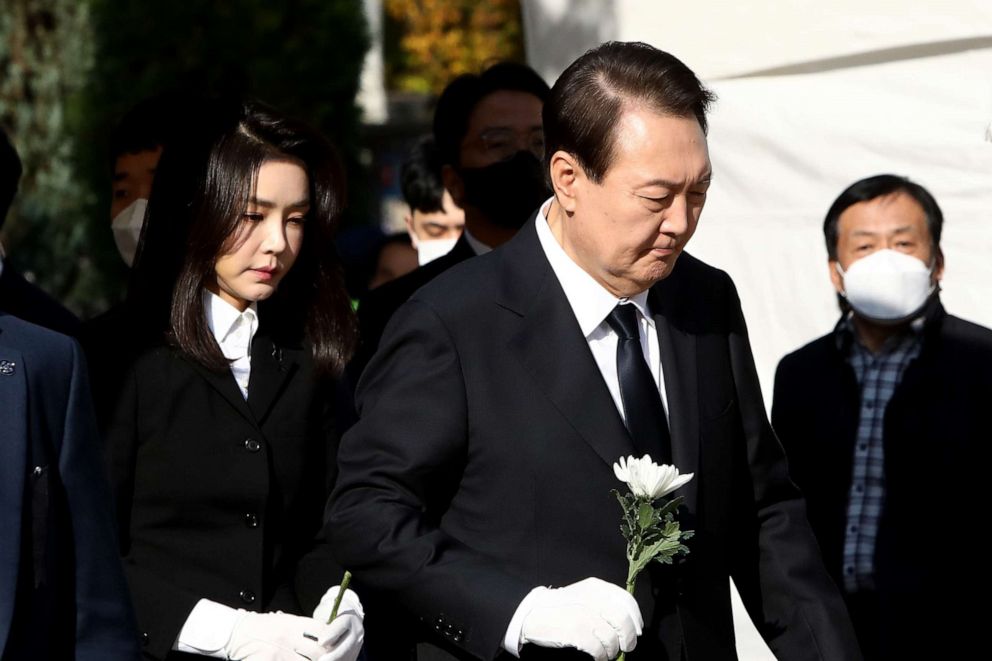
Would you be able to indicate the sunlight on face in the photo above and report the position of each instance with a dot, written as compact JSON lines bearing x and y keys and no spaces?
{"x":269,"y":237}
{"x":628,"y":230}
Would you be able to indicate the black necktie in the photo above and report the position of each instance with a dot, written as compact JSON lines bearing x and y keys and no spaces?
{"x":642,"y":406}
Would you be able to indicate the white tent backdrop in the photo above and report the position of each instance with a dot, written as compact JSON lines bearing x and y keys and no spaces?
{"x":813,"y":96}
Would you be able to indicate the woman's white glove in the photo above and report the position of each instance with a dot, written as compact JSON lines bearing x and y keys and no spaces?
{"x":278,"y":636}
{"x":346,"y":632}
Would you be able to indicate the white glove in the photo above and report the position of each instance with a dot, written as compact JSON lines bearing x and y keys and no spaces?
{"x":593,"y":616}
{"x":348,"y":632}
{"x":278,"y":637}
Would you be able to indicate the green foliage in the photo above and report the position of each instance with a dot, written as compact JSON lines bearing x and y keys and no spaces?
{"x":302,"y":56}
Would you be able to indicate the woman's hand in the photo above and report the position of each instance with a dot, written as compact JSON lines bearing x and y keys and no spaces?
{"x":281,"y":637}
{"x":348,"y":633}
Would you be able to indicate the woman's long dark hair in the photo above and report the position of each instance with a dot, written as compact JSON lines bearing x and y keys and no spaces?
{"x":201,"y":190}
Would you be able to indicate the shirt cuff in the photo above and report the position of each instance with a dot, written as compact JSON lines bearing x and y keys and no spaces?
{"x":512,"y":642}
{"x":207,"y":629}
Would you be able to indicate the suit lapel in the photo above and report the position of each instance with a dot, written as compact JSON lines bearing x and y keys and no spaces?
{"x":225,"y":385}
{"x":678,"y":363}
{"x":13,"y":458}
{"x":551,"y":347}
{"x":271,"y":367}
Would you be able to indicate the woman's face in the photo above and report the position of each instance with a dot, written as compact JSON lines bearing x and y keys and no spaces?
{"x":268,"y":238}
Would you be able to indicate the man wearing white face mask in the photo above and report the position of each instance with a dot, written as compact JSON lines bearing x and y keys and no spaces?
{"x":883,"y":424}
{"x":434,"y":223}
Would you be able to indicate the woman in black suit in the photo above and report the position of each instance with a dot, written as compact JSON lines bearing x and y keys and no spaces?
{"x":222,"y":449}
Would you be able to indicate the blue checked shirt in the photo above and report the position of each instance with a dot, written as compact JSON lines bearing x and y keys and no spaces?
{"x":878,"y":375}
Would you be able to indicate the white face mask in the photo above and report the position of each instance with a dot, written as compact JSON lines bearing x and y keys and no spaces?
{"x":430,"y":249}
{"x":126,"y":227}
{"x":887,"y":285}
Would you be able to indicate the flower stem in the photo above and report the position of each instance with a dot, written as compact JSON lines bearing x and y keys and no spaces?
{"x":337,"y":600}
{"x":630,"y":589}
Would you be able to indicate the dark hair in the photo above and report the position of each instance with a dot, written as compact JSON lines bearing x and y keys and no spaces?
{"x":463,"y":94}
{"x":420,"y":178}
{"x":589,"y":98}
{"x":199,"y":195}
{"x":148,"y":125}
{"x":10,"y":174}
{"x":879,"y":186}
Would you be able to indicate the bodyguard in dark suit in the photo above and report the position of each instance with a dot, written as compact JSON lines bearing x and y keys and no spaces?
{"x":885,"y":424}
{"x":62,"y":590}
{"x":19,"y":297}
{"x":501,"y":395}
{"x":489,"y":140}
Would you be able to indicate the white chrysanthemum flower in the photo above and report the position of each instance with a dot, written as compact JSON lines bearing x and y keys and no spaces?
{"x":647,"y":479}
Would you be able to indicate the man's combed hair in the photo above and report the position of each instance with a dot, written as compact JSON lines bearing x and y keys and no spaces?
{"x":588,"y":99}
{"x":872,"y":188}
{"x":420,"y":178}
{"x":201,"y":190}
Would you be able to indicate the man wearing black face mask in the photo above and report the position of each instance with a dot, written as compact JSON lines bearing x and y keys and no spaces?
{"x":487,"y":128}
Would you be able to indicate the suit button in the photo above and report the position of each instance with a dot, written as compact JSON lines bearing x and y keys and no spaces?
{"x":252,"y":445}
{"x":247,"y":596}
{"x":251,"y":520}
{"x":144,"y":637}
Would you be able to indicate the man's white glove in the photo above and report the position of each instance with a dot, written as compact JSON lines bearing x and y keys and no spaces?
{"x":593,"y":616}
{"x":348,"y":632}
{"x":277,"y":637}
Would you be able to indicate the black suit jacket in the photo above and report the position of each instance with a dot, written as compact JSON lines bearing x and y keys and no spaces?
{"x":27,"y":301}
{"x":379,"y":305}
{"x":219,"y":497}
{"x":62,"y":590}
{"x":936,"y":441}
{"x":482,"y":467}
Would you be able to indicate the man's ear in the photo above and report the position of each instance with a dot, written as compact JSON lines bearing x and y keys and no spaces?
{"x":453,"y":184}
{"x":835,"y":277}
{"x":408,"y":219}
{"x":566,"y":178}
{"x":938,"y":267}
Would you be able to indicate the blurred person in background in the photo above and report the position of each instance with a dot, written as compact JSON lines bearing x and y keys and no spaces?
{"x":433,"y":222}
{"x":885,"y":427}
{"x":395,"y":258}
{"x":222,"y":447}
{"x":18,"y":296}
{"x":62,"y":590}
{"x":489,"y":140}
{"x":110,"y":339}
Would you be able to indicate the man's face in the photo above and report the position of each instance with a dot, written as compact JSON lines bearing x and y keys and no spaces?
{"x":430,"y":225}
{"x":896,"y":222}
{"x":133,"y":176}
{"x":501,"y":124}
{"x":628,"y":230}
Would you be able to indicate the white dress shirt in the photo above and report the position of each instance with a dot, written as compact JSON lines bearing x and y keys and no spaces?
{"x":591,"y":304}
{"x":234,"y":331}
{"x":209,"y":625}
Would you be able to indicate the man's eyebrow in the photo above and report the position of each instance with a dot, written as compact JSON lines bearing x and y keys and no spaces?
{"x":898,"y":230}
{"x":705,"y":179}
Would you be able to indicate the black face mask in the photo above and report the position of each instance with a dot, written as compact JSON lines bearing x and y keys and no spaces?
{"x":509,"y":191}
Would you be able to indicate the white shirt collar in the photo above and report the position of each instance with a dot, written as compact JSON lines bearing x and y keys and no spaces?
{"x":589,"y":300}
{"x":222,"y":317}
{"x":478,"y":247}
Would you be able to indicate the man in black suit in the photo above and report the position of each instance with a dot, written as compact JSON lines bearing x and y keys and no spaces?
{"x":62,"y":589}
{"x":884,"y":423}
{"x":18,"y":296}
{"x":504,"y":391}
{"x":487,"y":130}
